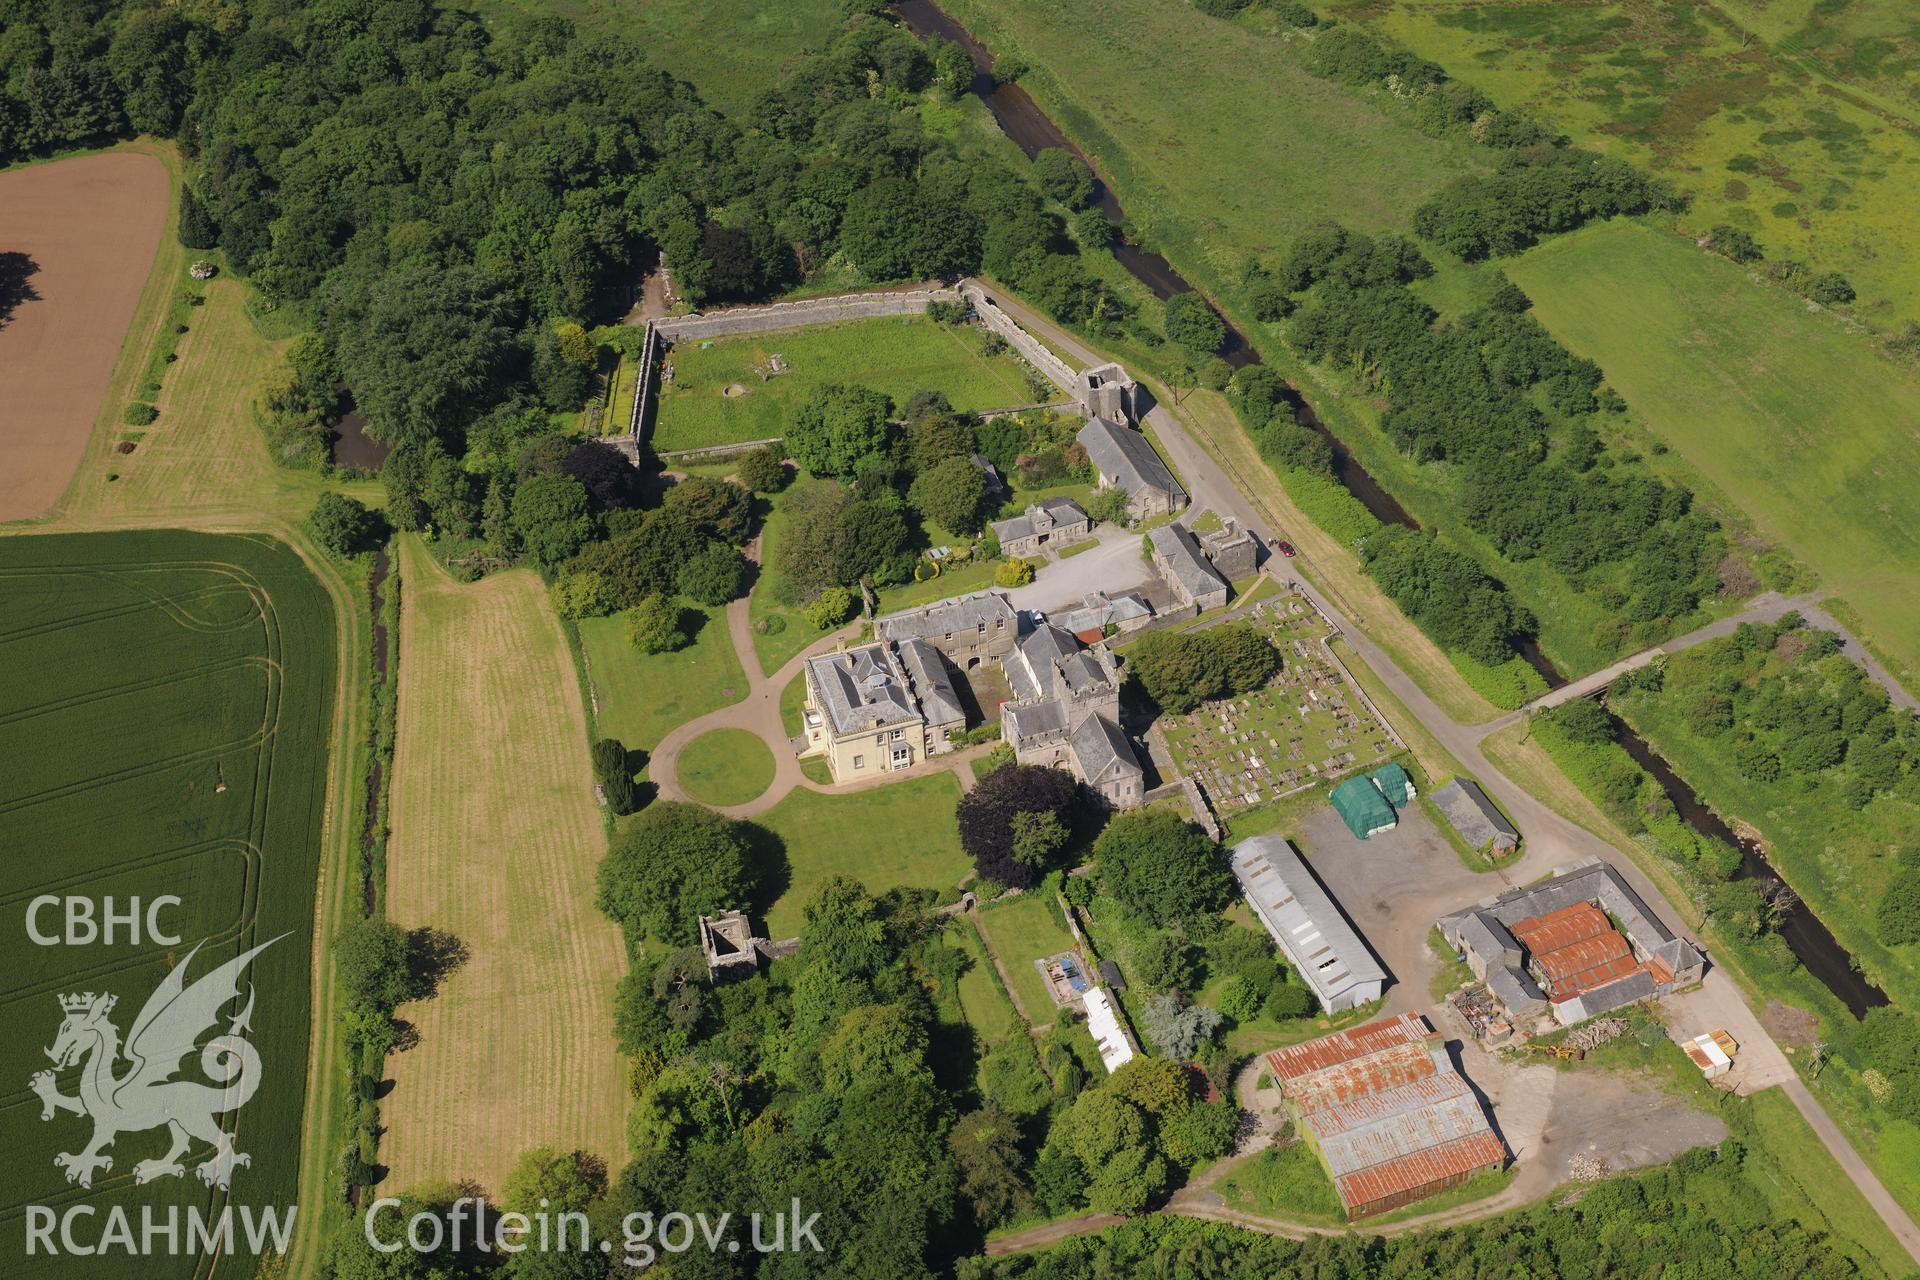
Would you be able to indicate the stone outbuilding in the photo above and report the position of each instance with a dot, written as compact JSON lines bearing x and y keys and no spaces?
{"x":1477,"y":819}
{"x":1188,"y":574}
{"x":968,"y":629}
{"x":1109,"y":391}
{"x":1580,"y":943}
{"x":1125,"y":459}
{"x":1054,"y":522}
{"x":1232,"y":551}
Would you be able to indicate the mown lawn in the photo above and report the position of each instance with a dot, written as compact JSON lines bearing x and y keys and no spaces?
{"x":1797,"y":421}
{"x":889,"y":837}
{"x":1024,"y":930}
{"x":894,"y":355}
{"x":639,"y":697}
{"x":982,"y":999}
{"x":725,"y":767}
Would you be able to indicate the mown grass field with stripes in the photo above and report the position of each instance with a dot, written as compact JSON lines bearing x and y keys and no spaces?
{"x":165,"y":710}
{"x":495,"y":839}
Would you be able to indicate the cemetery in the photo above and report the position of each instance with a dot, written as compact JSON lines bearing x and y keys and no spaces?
{"x":1308,"y":726}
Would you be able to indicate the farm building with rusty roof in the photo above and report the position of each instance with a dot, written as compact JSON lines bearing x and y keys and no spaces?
{"x":1388,"y":1113}
{"x":1580,"y":942}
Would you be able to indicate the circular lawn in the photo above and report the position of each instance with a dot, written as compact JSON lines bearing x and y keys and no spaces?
{"x":725,"y":767}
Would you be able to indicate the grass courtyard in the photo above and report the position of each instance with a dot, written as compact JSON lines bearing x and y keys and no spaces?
{"x":1021,"y":931}
{"x":719,"y":394}
{"x":1797,"y":421}
{"x":900,"y":835}
{"x":640,"y":697}
{"x":1303,"y":728}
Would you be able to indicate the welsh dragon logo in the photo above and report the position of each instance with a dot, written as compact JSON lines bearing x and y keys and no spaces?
{"x":145,"y":1095}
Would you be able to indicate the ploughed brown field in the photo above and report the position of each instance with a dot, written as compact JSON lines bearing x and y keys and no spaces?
{"x":77,"y":238}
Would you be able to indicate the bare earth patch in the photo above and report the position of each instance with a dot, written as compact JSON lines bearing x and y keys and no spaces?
{"x":1790,"y":1026}
{"x":77,"y":238}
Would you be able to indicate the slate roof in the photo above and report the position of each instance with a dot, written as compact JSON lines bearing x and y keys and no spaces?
{"x":1025,"y":721}
{"x":1063,"y":511}
{"x":1303,"y":918}
{"x":1188,"y":567}
{"x":1100,"y":750}
{"x":1473,"y":815}
{"x":1050,"y":662}
{"x":1559,"y":916}
{"x":862,"y":689}
{"x":928,"y":671}
{"x":935,"y":622}
{"x":1515,"y":989}
{"x":1487,"y":938}
{"x":1126,"y":457}
{"x":1099,"y":609}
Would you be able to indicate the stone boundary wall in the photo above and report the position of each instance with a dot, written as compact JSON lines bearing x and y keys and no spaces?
{"x":799,"y":312}
{"x":643,"y":385}
{"x":717,"y":451}
{"x":1031,"y":349}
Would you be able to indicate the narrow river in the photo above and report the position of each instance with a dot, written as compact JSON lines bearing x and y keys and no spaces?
{"x":1810,"y":940}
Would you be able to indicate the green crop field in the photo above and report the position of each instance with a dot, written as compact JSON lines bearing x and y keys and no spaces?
{"x":1798,"y":422}
{"x":900,"y":835}
{"x":1793,"y":119}
{"x":166,"y":699}
{"x":1216,"y":140}
{"x":719,"y":396}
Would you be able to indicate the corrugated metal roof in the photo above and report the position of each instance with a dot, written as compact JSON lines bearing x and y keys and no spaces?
{"x":1377,"y":1073}
{"x":1562,"y":928}
{"x":1577,"y":948}
{"x":1421,"y":1169}
{"x":1303,"y":919}
{"x":1387,"y":1110}
{"x":1397,"y":1123}
{"x":1345,"y":1046}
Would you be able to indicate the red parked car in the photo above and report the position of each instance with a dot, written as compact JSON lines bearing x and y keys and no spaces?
{"x":1286,"y":548}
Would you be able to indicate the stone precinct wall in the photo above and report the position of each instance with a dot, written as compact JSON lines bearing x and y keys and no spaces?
{"x":802,"y":311}
{"x":1031,"y":349}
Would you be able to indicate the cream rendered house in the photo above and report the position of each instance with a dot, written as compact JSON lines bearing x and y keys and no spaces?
{"x":879,"y":708}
